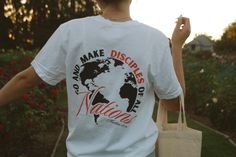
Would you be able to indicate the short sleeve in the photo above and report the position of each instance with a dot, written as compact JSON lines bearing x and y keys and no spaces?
{"x":49,"y":64}
{"x":164,"y":79}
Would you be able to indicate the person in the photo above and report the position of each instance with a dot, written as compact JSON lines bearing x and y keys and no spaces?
{"x":113,"y":65}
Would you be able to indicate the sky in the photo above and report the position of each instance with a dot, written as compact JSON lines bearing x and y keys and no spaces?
{"x":209,"y":17}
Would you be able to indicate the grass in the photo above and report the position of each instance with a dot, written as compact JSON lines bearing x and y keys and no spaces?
{"x":213,"y":145}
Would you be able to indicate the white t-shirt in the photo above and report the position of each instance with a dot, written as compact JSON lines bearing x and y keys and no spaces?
{"x":112,"y":70}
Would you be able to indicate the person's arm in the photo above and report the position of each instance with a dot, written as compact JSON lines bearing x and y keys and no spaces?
{"x":180,"y":34}
{"x":18,"y":85}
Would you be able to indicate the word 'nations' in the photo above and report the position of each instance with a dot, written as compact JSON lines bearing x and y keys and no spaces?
{"x":109,"y":110}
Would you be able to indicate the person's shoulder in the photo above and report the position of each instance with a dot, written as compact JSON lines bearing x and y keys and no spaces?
{"x":79,"y":20}
{"x":155,"y":34}
{"x":75,"y":25}
{"x":150,"y":28}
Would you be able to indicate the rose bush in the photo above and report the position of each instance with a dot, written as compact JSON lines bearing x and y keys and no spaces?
{"x":210,"y":83}
{"x":22,"y":122}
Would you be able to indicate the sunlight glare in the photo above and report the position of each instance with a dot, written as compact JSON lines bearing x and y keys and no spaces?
{"x":23,"y":1}
{"x":207,"y":17}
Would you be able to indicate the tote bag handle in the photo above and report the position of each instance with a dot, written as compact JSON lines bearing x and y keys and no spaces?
{"x":162,"y":116}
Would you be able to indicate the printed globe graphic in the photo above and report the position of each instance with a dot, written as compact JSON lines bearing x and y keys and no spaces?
{"x":101,"y":72}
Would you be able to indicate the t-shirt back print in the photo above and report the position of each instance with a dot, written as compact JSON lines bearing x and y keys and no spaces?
{"x":98,"y":76}
{"x":112,"y":70}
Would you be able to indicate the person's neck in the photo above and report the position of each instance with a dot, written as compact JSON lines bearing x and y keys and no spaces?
{"x":115,"y":14}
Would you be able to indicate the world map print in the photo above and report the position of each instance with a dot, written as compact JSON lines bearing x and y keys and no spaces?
{"x":91,"y":71}
{"x":108,"y":87}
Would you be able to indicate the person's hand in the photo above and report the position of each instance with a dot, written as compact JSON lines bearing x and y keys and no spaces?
{"x":181,"y":32}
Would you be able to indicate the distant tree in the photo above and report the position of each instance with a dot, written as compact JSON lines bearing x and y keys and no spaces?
{"x":5,"y":24}
{"x":227,"y":43}
{"x":29,"y":23}
{"x":49,"y":14}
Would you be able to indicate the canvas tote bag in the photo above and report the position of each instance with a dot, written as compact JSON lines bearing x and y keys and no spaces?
{"x":177,"y":139}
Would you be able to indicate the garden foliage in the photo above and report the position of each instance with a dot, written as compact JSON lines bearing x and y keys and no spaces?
{"x":211,"y":92}
{"x":38,"y":111}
